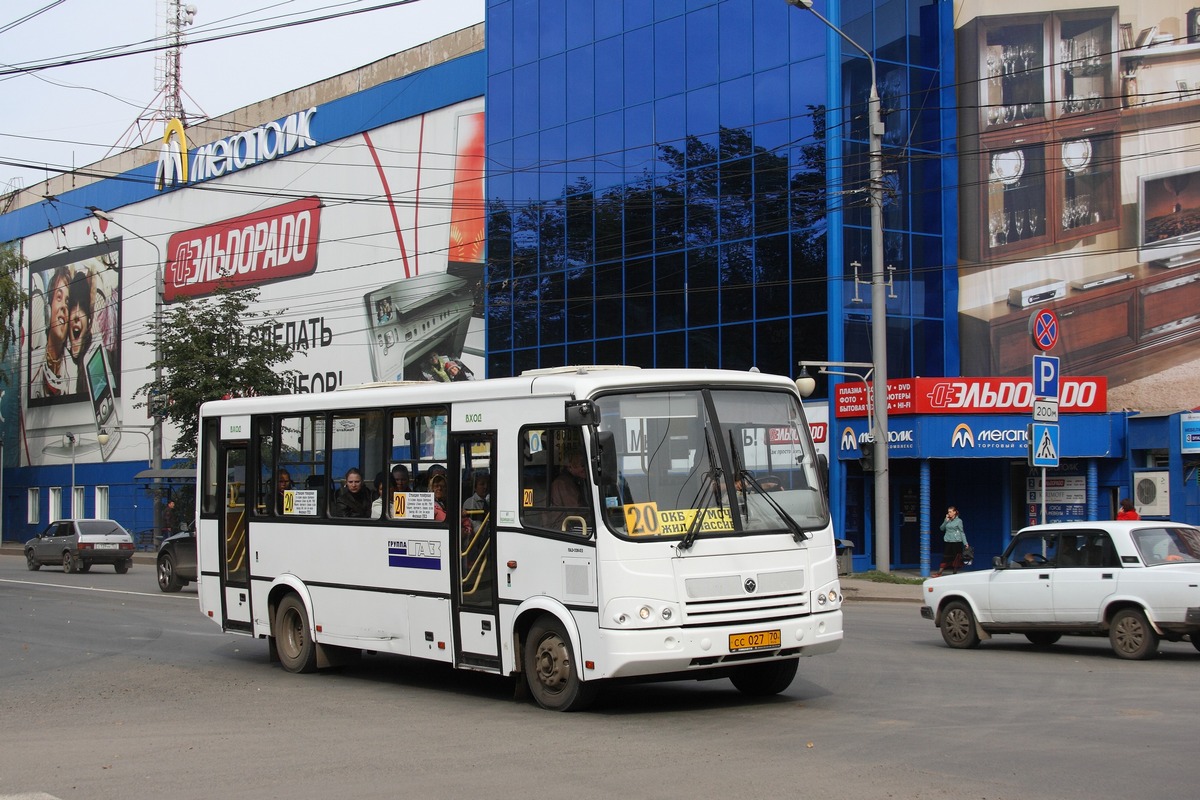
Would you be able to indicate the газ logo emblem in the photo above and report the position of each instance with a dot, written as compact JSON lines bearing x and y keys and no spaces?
{"x":849,"y":440}
{"x":172,"y":157}
{"x":962,"y":436}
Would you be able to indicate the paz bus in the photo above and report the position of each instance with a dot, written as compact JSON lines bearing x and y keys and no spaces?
{"x":568,"y":527}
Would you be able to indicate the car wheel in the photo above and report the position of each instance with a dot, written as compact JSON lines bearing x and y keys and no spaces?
{"x":1043,"y":638}
{"x":550,"y":668}
{"x":69,"y":562}
{"x":958,"y":626}
{"x":1195,"y":637}
{"x":1131,"y":635}
{"x":82,"y":566}
{"x":123,"y":566}
{"x":168,"y":578}
{"x":293,"y":639}
{"x":765,"y":680}
{"x":31,"y":563}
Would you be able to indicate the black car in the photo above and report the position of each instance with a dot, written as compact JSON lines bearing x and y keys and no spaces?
{"x":177,"y":561}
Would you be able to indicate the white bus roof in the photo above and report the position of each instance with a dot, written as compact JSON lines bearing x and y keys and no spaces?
{"x":574,"y":382}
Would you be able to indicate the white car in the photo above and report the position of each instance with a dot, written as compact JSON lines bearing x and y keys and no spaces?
{"x":1136,"y":582}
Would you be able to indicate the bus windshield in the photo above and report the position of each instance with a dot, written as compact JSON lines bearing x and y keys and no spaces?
{"x":740,"y":459}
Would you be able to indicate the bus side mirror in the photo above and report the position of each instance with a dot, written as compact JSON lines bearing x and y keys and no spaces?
{"x":823,"y":465}
{"x":606,"y":442}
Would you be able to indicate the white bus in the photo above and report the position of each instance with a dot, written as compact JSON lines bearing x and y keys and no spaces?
{"x":574,"y":526}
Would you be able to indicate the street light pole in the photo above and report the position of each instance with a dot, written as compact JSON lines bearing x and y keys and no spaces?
{"x":71,"y":502}
{"x":878,"y":303}
{"x":156,"y":419}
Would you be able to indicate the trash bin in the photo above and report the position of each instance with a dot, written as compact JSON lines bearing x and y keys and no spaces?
{"x":845,"y":556}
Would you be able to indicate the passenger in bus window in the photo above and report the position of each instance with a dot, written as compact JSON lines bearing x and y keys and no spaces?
{"x":476,"y":505}
{"x":437,"y":485}
{"x":379,"y":495}
{"x":353,"y":499}
{"x":401,"y":479}
{"x":283,"y":482}
{"x":566,"y":491}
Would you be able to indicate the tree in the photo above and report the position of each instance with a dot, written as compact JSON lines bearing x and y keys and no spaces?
{"x":13,"y":299}
{"x":213,"y":348}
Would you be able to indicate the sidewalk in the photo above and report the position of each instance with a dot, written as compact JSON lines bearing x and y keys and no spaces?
{"x":861,"y":589}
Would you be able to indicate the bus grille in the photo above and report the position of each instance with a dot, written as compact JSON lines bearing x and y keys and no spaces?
{"x":733,"y":598}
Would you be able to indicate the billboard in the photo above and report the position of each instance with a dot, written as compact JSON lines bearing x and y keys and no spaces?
{"x":1079,"y":191}
{"x":370,"y":248}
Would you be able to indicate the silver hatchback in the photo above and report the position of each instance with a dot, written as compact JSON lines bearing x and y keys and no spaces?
{"x":76,"y":544}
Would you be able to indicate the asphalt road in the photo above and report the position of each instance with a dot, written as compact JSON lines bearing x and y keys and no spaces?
{"x":109,"y":689}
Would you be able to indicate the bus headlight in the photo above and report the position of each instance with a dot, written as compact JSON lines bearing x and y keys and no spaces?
{"x":639,"y":612}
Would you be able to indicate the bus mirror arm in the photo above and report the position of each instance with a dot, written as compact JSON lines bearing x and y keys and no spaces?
{"x":605,"y":460}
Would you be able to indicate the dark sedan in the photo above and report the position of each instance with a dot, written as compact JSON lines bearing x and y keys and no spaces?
{"x":79,"y":543}
{"x":177,"y":561}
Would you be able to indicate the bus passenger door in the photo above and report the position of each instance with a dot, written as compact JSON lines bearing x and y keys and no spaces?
{"x":474,"y":468}
{"x":232,"y":535}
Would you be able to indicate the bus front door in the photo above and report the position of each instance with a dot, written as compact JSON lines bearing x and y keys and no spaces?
{"x":478,"y":623}
{"x":235,"y":561}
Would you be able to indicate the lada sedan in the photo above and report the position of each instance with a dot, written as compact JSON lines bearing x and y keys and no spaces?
{"x":79,"y":543}
{"x":1135,"y":582}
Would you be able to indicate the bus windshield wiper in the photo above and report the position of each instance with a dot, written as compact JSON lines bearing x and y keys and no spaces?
{"x":712,"y":480}
{"x":744,"y":478}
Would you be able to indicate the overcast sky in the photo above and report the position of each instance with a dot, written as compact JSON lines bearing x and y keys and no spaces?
{"x":72,"y":116}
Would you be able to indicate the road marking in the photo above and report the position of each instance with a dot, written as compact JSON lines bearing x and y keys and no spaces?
{"x":90,"y":589}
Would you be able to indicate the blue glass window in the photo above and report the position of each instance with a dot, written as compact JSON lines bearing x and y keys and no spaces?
{"x":525,"y":85}
{"x":581,"y":149}
{"x":703,"y":280}
{"x":737,"y":347}
{"x":670,"y":350}
{"x":665,"y":9}
{"x":639,"y":296}
{"x":737,"y":103}
{"x":704,"y":347}
{"x":701,"y":50}
{"x":639,"y":66}
{"x":499,"y":37}
{"x":703,"y":109}
{"x":771,"y":33}
{"x":552,"y":153}
{"x":552,"y":28}
{"x":736,"y":39}
{"x":668,"y":291}
{"x":525,"y":31}
{"x":637,"y":13}
{"x":609,"y":83}
{"x":553,"y":92}
{"x":500,"y":107}
{"x":670,"y":75}
{"x":580,"y":83}
{"x":609,"y":18}
{"x":579,"y":22}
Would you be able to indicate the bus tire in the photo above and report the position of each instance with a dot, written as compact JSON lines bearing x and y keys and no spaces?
{"x":767,"y":679}
{"x":293,"y":639}
{"x":550,"y":669}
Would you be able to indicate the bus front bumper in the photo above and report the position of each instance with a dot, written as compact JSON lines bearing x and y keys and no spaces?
{"x":658,"y":651}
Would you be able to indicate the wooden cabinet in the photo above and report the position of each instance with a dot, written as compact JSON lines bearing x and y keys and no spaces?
{"x":1043,"y":112}
{"x":1099,"y":328}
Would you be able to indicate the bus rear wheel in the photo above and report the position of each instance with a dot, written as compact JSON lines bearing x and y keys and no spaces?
{"x":551,"y":671}
{"x":765,"y":680}
{"x":293,"y":639}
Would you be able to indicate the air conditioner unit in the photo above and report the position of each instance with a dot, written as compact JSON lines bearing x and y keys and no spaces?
{"x":1152,"y":494}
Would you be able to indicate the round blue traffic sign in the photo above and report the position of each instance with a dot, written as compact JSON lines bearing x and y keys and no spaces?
{"x":1044,"y":327}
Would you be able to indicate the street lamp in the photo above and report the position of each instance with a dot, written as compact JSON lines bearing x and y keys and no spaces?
{"x":143,"y":430}
{"x":156,"y":428}
{"x":878,"y":303}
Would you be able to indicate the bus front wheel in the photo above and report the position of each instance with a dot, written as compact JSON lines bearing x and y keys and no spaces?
{"x":293,"y":639}
{"x":765,"y":680}
{"x":550,"y":668}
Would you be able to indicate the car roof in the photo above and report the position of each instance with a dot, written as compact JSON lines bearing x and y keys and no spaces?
{"x":1107,"y":524}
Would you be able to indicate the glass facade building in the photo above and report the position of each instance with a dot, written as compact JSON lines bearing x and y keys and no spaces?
{"x":683,"y":183}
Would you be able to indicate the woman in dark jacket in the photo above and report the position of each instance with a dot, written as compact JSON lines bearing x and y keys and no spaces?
{"x":353,"y":499}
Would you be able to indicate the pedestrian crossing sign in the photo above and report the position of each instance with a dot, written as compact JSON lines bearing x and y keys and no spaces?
{"x":1043,"y":445}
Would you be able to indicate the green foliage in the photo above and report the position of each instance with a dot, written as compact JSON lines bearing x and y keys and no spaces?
{"x":13,"y":299}
{"x":212,"y":348}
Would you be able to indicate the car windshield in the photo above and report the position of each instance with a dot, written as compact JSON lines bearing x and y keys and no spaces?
{"x":1167,"y":545}
{"x":98,"y":527}
{"x":741,"y":459}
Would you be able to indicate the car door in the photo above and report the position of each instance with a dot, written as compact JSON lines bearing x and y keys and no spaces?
{"x":1085,"y":577}
{"x":1022,"y":591}
{"x":49,"y":548}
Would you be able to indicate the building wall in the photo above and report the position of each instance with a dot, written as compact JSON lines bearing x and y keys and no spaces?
{"x":354,"y":206}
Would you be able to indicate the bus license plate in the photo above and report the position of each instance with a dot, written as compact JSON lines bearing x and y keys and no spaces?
{"x":757,"y":640}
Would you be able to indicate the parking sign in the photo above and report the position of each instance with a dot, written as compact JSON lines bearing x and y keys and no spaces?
{"x":1045,"y":376}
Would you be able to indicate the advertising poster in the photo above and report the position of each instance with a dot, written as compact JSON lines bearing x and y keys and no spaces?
{"x":1080,"y":191}
{"x":370,"y":248}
